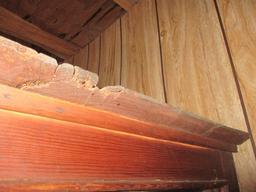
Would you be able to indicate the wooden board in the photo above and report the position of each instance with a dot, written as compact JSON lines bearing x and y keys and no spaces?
{"x":239,"y":22}
{"x":239,"y":19}
{"x":141,"y":63}
{"x":197,"y":71}
{"x":110,"y":56}
{"x":94,"y":56}
{"x":43,"y":158}
{"x":77,"y":148}
{"x":127,"y":121}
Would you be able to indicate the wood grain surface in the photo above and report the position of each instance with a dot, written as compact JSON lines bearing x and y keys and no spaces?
{"x":125,"y":121}
{"x":94,"y":56}
{"x":141,"y":63}
{"x":110,"y":56}
{"x":79,"y":151}
{"x":41,"y":154}
{"x":241,"y":40}
{"x":239,"y":20}
{"x":197,"y":71}
{"x":45,"y":145}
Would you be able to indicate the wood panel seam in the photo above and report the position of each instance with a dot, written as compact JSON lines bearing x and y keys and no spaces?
{"x":161,"y":53}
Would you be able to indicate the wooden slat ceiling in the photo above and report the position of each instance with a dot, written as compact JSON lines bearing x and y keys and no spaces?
{"x":75,"y":21}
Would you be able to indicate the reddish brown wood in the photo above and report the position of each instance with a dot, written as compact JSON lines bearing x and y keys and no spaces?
{"x":31,"y":103}
{"x":38,"y":149}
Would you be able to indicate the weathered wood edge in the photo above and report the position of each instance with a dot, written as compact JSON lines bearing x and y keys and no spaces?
{"x":12,"y":99}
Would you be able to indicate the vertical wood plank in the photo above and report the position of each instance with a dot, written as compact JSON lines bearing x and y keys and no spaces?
{"x":110,"y":56}
{"x":197,"y":71}
{"x":141,"y":62}
{"x":94,"y":56}
{"x":81,"y":58}
{"x":239,"y":21}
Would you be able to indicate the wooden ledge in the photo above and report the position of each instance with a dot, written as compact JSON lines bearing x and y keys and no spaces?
{"x":24,"y":68}
{"x":45,"y":154}
{"x":13,"y":99}
{"x":59,"y":131}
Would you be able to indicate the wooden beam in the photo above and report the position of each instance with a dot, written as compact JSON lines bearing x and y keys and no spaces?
{"x":31,"y":103}
{"x":40,"y":150}
{"x":13,"y":25}
{"x":126,"y":4}
{"x":133,"y":113}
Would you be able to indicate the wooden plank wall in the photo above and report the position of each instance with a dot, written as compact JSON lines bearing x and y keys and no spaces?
{"x":199,"y":56}
{"x":141,"y":60}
